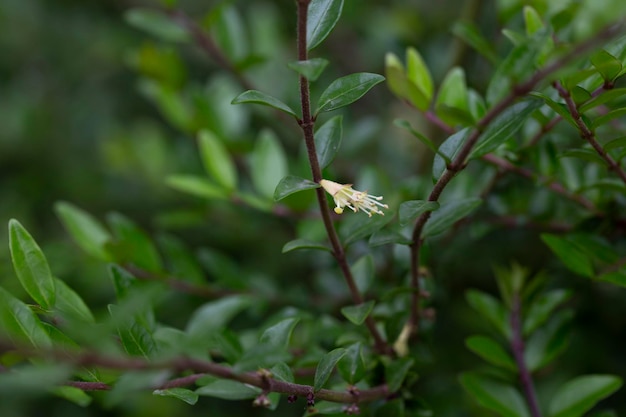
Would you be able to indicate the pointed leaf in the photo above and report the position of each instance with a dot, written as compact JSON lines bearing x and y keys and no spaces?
{"x":197,"y":186}
{"x":357,"y":314}
{"x":70,"y":303}
{"x":505,"y":400}
{"x":605,"y":97}
{"x":310,"y":69}
{"x":31,"y":266}
{"x":282,"y":372}
{"x":549,"y":341}
{"x":228,"y":390}
{"x":182,"y":394}
{"x":491,"y":351}
{"x":570,"y":254}
{"x":579,"y":395}
{"x":448,"y":214}
{"x":491,"y":309}
{"x":346,"y":90}
{"x":351,"y":366}
{"x":429,"y":143}
{"x":542,"y":308}
{"x":328,"y":140}
{"x":19,"y":323}
{"x":87,"y":232}
{"x":605,"y":118}
{"x":214,"y":315}
{"x":617,"y":143}
{"x":411,"y":210}
{"x":363,"y":272}
{"x":258,"y":97}
{"x":216,"y":160}
{"x":135,"y":337}
{"x":298,"y":244}
{"x":322,"y":17}
{"x":470,"y":34}
{"x":606,"y":64}
{"x":418,"y":75}
{"x":325,"y":367}
{"x":279,"y":334}
{"x":292,"y":184}
{"x":157,"y":24}
{"x":448,"y":151}
{"x":396,"y":371}
{"x":132,"y":244}
{"x":268,"y":163}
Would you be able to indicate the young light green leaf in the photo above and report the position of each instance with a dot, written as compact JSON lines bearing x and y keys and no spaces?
{"x":258,"y":97}
{"x":570,"y":254}
{"x":418,"y":75}
{"x":448,"y":214}
{"x":20,"y":324}
{"x":505,"y":400}
{"x":268,"y":163}
{"x":357,"y":314}
{"x":533,"y":21}
{"x":279,"y":334}
{"x":197,"y":186}
{"x":325,"y":367}
{"x":351,"y":366}
{"x":491,"y":309}
{"x":310,"y":69}
{"x":87,"y":232}
{"x":579,"y":395}
{"x":157,"y":24}
{"x":182,"y":394}
{"x":452,"y":103}
{"x":322,"y":17}
{"x":491,"y":351}
{"x":328,"y":140}
{"x":346,"y":90}
{"x":298,"y":244}
{"x":411,"y":210}
{"x":292,"y":184}
{"x":216,"y":160}
{"x":396,"y":371}
{"x":228,"y":390}
{"x":31,"y":265}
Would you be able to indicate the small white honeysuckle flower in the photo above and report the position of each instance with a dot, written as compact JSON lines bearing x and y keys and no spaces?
{"x":345,"y":196}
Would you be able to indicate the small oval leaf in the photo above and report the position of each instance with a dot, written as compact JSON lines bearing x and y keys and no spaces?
{"x":322,"y":17}
{"x":298,"y":244}
{"x":411,"y":210}
{"x":310,"y":69}
{"x":258,"y":97}
{"x":450,"y":213}
{"x":346,"y":90}
{"x":357,"y":314}
{"x":325,"y":367}
{"x":292,"y":184}
{"x":328,"y":140}
{"x":216,"y":160}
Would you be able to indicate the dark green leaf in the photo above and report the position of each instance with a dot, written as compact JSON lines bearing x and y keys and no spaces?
{"x":363,"y":226}
{"x":542,"y":308}
{"x":135,"y":337}
{"x":279,"y":334}
{"x":616,"y":278}
{"x":73,"y":394}
{"x":387,"y":236}
{"x":606,"y":64}
{"x":584,"y":154}
{"x":325,"y":367}
{"x":19,"y":323}
{"x":298,"y":244}
{"x":469,"y":33}
{"x":605,"y":118}
{"x":132,"y":244}
{"x":216,"y":160}
{"x":363,"y":272}
{"x":580,"y":95}
{"x":491,"y":309}
{"x":328,"y":140}
{"x":406,"y":125}
{"x":448,"y":151}
{"x":214,"y":315}
{"x":396,"y":371}
{"x":491,"y":351}
{"x":31,"y":266}
{"x":351,"y":366}
{"x":570,"y":254}
{"x":258,"y":97}
{"x":605,"y":97}
{"x":322,"y":17}
{"x":268,"y":163}
{"x":310,"y":69}
{"x":448,"y":214}
{"x":560,"y":108}
{"x":87,"y":232}
{"x":292,"y":184}
{"x":228,"y":390}
{"x":198,"y":186}
{"x":579,"y":395}
{"x":261,"y":355}
{"x":549,"y":341}
{"x":182,"y":394}
{"x":357,"y":314}
{"x":346,"y":90}
{"x":157,"y":24}
{"x":616,"y":143}
{"x":411,"y":210}
{"x":130,"y":383}
{"x":503,"y":399}
{"x":70,"y":303}
{"x":504,"y":127}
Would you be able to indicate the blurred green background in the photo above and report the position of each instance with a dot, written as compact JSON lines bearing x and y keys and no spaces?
{"x":84,"y":117}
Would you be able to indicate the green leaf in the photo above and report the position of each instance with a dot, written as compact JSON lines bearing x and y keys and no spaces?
{"x":617,"y":143}
{"x":533,"y":20}
{"x":351,"y":366}
{"x":18,"y":322}
{"x":31,"y":266}
{"x":491,"y":309}
{"x":325,"y":367}
{"x":396,"y":371}
{"x":491,"y":351}
{"x":157,"y":24}
{"x":282,"y":372}
{"x":88,"y":233}
{"x":419,"y":77}
{"x":328,"y":140}
{"x":292,"y":184}
{"x":180,"y":261}
{"x":216,"y":160}
{"x":388,"y":236}
{"x":182,"y":394}
{"x":258,"y":97}
{"x":310,"y":69}
{"x":448,"y":151}
{"x":70,"y":303}
{"x":579,"y":395}
{"x":605,"y":97}
{"x":542,"y":308}
{"x":588,"y":155}
{"x":268,"y":163}
{"x":616,"y":278}
{"x":279,"y":334}
{"x":357,"y":314}
{"x":363,"y":273}
{"x":298,"y":244}
{"x":496,"y":396}
{"x":504,"y":127}
{"x":197,"y":186}
{"x":322,"y":17}
{"x":131,"y":383}
{"x":347,"y":90}
{"x":452,"y":104}
{"x":73,"y":394}
{"x":571,"y":255}
{"x":228,"y":390}
{"x":136,"y":339}
{"x":363,"y":226}
{"x":411,"y":210}
{"x":261,"y":355}
{"x":606,"y":64}
{"x":448,"y":214}
{"x":132,"y":244}
{"x":605,"y":118}
{"x":560,"y":108}
{"x":214,"y":315}
{"x":470,"y":34}
{"x":548,"y":341}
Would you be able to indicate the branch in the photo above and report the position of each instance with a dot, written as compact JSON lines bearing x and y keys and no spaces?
{"x":459,"y":162}
{"x":307,"y":124}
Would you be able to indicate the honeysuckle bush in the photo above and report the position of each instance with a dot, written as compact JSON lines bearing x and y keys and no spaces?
{"x":283,"y":299}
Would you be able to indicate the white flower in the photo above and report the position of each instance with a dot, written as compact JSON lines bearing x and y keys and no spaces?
{"x":345,"y":196}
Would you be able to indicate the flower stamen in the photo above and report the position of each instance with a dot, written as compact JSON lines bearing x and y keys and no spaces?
{"x":345,"y":196}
